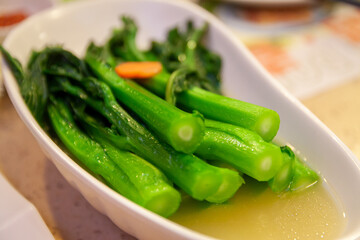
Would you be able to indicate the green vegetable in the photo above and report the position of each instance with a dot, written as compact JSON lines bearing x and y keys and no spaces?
{"x":122,"y":43}
{"x":32,"y":84}
{"x":179,"y":80}
{"x":94,"y":125}
{"x":186,"y":51}
{"x":199,"y":179}
{"x":63,"y":63}
{"x":294,"y":175}
{"x":262,"y":120}
{"x":14,"y":65}
{"x":102,"y":52}
{"x":243,"y":149}
{"x":181,"y":130}
{"x":304,"y":177}
{"x":284,"y":176}
{"x":182,"y":79}
{"x":230,"y":184}
{"x":127,"y":173}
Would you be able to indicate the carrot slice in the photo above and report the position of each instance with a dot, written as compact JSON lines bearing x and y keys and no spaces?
{"x":138,"y":70}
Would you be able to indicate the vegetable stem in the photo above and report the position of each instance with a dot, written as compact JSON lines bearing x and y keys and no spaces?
{"x":304,"y":177}
{"x":281,"y":181}
{"x":245,"y":150}
{"x":262,"y":120}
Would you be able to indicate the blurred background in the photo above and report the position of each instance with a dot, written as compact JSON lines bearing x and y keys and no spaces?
{"x":309,"y":46}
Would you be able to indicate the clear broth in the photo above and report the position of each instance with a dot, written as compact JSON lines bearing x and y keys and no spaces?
{"x":255,"y":212}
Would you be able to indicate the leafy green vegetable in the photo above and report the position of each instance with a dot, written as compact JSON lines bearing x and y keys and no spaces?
{"x":127,"y":173}
{"x":185,"y":49}
{"x":140,"y":143}
{"x":194,"y":176}
{"x":34,"y":87}
{"x":123,"y":44}
{"x":14,"y":65}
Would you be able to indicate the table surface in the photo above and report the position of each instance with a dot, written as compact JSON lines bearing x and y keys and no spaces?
{"x":69,"y":216}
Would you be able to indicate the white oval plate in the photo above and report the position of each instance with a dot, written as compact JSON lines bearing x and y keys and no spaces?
{"x":74,"y":25}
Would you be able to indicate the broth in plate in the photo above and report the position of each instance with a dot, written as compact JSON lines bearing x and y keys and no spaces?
{"x":255,"y":212}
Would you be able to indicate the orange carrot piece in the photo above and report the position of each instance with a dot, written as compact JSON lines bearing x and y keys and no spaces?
{"x":138,"y":70}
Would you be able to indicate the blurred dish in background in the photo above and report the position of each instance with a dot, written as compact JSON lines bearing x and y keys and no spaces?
{"x":275,"y":15}
{"x":272,"y":2}
{"x":309,"y":49}
{"x":270,"y":21}
{"x":12,"y":17}
{"x":13,"y":12}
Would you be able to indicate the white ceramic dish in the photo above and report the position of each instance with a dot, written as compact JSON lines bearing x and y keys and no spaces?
{"x":75,"y":24}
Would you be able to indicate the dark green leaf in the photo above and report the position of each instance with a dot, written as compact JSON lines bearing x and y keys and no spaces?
{"x":14,"y":65}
